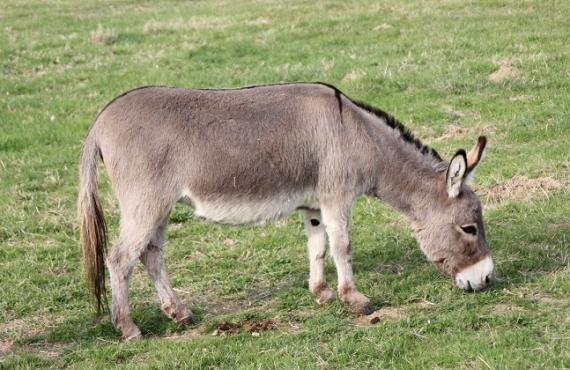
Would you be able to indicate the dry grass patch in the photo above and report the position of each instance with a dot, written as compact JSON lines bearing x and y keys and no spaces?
{"x":103,"y":36}
{"x":258,"y":21}
{"x":506,"y":308}
{"x":506,"y":70}
{"x":154,"y":27}
{"x":25,"y":327}
{"x":551,"y":301}
{"x":354,"y":75}
{"x":520,"y":188}
{"x":29,"y":327}
{"x":382,"y":27}
{"x":455,"y":131}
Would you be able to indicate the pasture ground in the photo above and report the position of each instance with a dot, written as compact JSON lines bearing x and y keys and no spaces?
{"x":450,"y":70}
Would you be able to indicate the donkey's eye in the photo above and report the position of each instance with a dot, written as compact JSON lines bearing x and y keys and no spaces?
{"x":469,"y":229}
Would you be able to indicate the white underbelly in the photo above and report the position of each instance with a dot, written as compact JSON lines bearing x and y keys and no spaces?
{"x":246,"y":211}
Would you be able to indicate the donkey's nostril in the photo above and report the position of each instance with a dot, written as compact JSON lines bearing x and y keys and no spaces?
{"x":477,"y":276}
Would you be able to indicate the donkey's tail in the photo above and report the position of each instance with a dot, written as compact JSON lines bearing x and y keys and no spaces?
{"x":92,"y":221}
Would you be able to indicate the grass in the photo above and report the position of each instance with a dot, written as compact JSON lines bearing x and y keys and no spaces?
{"x":429,"y":64}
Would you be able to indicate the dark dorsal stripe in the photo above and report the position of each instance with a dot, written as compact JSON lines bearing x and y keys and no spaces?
{"x":389,"y":119}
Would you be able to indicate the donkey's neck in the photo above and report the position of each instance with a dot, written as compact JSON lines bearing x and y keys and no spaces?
{"x":407,"y":173}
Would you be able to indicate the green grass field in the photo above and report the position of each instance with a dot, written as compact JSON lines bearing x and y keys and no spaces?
{"x":450,"y":70}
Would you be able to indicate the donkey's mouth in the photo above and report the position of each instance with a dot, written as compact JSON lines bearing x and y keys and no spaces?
{"x":477,"y":276}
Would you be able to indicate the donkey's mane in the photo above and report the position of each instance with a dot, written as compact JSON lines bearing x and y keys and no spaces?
{"x":390,"y":120}
{"x":407,"y":135}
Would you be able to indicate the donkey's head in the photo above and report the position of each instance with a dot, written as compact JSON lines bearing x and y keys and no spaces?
{"x":452,"y":235}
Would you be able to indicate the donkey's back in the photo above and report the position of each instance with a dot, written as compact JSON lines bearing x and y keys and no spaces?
{"x":236,"y":155}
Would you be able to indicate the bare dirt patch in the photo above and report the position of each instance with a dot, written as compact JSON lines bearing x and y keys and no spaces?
{"x":506,"y":70}
{"x":252,"y":326}
{"x":187,"y":334}
{"x":506,"y":308}
{"x":6,"y":347}
{"x":391,"y":313}
{"x":520,"y":188}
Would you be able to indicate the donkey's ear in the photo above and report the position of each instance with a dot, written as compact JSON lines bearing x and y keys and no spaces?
{"x":474,"y":157}
{"x":456,"y":173}
{"x":476,"y":153}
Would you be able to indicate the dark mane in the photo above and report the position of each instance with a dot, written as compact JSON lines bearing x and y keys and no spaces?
{"x":390,"y":121}
{"x":397,"y":125}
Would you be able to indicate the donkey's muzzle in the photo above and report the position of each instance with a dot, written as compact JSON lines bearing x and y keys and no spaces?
{"x":477,"y":276}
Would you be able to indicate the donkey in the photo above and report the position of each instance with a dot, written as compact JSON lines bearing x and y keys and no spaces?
{"x":254,"y":155}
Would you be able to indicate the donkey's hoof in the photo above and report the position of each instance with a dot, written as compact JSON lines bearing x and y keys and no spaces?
{"x":325,"y":296}
{"x":363,"y":309}
{"x":186,"y":320}
{"x":358,"y":303}
{"x":133,"y":334}
{"x":179,"y":314}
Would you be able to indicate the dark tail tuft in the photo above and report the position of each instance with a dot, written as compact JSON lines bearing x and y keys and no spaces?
{"x":92,"y":221}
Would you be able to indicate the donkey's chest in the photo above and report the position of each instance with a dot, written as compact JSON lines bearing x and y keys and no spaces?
{"x":243,"y":210}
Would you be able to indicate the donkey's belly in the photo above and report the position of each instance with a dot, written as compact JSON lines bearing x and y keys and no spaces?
{"x":236,"y":210}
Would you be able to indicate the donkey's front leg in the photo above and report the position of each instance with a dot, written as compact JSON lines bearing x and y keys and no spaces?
{"x":336,"y":216}
{"x":317,"y":249}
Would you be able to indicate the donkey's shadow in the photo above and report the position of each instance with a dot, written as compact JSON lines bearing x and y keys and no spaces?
{"x":154,"y":323}
{"x":86,"y":326}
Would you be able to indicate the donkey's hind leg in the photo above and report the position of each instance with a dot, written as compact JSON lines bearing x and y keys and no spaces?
{"x":153,"y":260}
{"x":121,"y":262}
{"x":137,"y":229}
{"x":317,"y":248}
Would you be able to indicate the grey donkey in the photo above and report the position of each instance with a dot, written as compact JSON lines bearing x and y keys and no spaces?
{"x":254,"y":155}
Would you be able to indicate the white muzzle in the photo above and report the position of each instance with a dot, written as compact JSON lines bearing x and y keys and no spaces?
{"x":477,"y":276}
